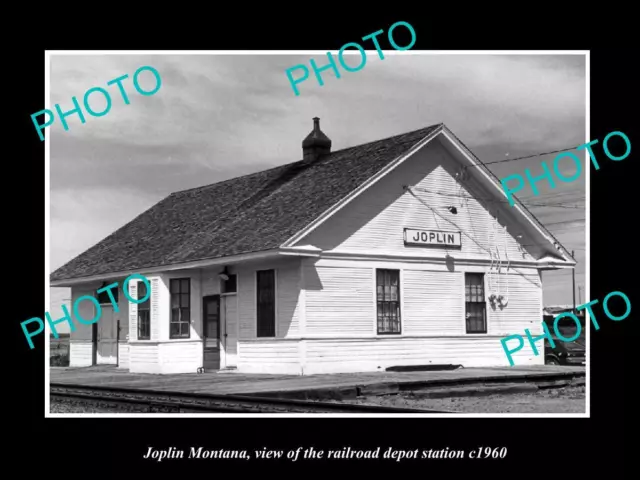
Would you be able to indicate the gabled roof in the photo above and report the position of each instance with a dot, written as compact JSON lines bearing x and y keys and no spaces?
{"x":247,"y":214}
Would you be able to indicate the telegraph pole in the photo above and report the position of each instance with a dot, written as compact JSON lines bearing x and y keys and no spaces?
{"x":579,"y":294}
{"x":573,"y":275}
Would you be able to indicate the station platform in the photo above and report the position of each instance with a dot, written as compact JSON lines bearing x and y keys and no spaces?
{"x":343,"y":385}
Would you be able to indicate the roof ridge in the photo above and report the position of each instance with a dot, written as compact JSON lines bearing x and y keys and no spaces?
{"x":221,"y":182}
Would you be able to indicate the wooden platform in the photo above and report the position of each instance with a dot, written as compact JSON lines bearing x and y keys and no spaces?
{"x":350,"y":384}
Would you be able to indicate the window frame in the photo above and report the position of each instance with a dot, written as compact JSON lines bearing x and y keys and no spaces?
{"x":180,"y":308}
{"x":399,"y":301}
{"x":485,"y":310}
{"x":224,"y":284}
{"x":275,"y":304}
{"x":105,"y":296}
{"x":144,"y":309}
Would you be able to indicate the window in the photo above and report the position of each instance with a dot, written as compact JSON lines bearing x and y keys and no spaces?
{"x":104,"y":298}
{"x":231,"y":285}
{"x":388,"y":301}
{"x":144,"y":313}
{"x":476,"y":305}
{"x":266,"y":303}
{"x":180,"y":308}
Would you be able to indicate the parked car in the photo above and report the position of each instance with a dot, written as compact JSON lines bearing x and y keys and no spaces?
{"x":565,"y":353}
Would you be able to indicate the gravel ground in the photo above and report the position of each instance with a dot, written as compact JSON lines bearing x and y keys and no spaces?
{"x":63,"y":407}
{"x":556,"y":400}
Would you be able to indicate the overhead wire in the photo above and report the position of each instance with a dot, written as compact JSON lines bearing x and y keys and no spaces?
{"x":523,"y":202}
{"x":522,"y":158}
{"x":559,"y":205}
{"x":564,"y":193}
{"x":526,"y":202}
{"x":544,"y":245}
{"x":491,"y":200}
{"x":565,"y":221}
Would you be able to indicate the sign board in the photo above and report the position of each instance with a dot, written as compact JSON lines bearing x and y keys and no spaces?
{"x":435,"y":238}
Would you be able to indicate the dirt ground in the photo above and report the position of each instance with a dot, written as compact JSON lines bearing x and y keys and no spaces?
{"x":556,"y":400}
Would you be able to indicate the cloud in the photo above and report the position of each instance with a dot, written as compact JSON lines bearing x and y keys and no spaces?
{"x":81,"y":217}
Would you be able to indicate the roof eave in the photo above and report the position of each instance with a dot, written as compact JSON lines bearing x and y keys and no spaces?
{"x":212,"y":262}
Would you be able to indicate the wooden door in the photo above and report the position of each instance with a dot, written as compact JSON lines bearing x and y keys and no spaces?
{"x":211,"y":332}
{"x":107,"y":343}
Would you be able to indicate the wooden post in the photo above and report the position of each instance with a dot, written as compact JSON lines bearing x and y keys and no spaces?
{"x":573,"y":271}
{"x":117,"y":343}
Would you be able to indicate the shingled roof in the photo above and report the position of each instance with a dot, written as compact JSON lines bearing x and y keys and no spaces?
{"x":246,"y":214}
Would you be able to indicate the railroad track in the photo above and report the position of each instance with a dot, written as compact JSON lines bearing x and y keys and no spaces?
{"x":155,"y":401}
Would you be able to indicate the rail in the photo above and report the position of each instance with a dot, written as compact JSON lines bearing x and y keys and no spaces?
{"x":163,"y":401}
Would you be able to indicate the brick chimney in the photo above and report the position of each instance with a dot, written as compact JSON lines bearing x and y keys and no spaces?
{"x":316,"y":143}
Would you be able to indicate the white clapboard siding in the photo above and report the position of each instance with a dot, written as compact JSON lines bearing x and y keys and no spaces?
{"x":432,"y":302}
{"x":230,"y":305}
{"x":123,"y":355}
{"x":374,"y":221}
{"x":376,"y":354}
{"x":287,"y":300}
{"x":133,"y":311}
{"x":80,"y":353}
{"x":338,"y":300}
{"x":269,"y":356}
{"x":524,"y":307}
{"x":144,"y":358}
{"x":181,"y":357}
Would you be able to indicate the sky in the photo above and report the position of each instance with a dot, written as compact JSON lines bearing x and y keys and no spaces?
{"x":217,"y":117}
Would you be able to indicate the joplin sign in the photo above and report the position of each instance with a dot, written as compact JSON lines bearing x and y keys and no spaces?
{"x":413,"y":236}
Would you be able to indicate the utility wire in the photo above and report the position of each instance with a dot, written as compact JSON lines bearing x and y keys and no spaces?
{"x":550,"y":197}
{"x":522,"y":158}
{"x":580,"y":193}
{"x":544,"y":245}
{"x":566,"y":221}
{"x":489,"y":200}
{"x":555,"y":205}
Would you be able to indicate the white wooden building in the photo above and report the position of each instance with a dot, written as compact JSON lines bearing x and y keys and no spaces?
{"x":384,"y":254}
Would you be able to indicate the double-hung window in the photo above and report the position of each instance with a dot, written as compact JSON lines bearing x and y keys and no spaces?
{"x":388,"y":301}
{"x":104,"y":298}
{"x":180,"y":308}
{"x":475,"y":302}
{"x":144,"y":313}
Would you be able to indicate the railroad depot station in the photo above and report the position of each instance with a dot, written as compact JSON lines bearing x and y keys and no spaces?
{"x":403,"y":251}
